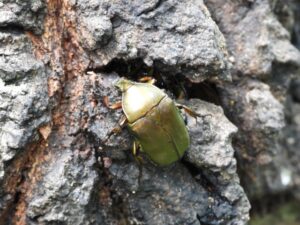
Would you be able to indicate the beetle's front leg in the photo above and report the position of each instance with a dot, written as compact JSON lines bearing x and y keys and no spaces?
{"x":148,"y":80}
{"x":188,"y":110}
{"x":122,"y":122}
{"x":116,"y":105}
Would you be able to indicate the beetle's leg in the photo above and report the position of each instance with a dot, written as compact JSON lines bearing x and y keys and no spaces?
{"x":123,"y":121}
{"x":121,"y":124}
{"x":188,"y":110}
{"x":149,"y":80}
{"x":134,"y":147}
{"x":116,"y":105}
{"x":136,"y":152}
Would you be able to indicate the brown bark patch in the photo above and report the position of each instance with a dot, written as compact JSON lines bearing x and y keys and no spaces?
{"x":59,"y":45}
{"x":22,"y":176}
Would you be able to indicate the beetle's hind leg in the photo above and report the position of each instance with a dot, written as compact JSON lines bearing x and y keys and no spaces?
{"x":136,"y":152}
{"x":121,"y":124}
{"x":191,"y":112}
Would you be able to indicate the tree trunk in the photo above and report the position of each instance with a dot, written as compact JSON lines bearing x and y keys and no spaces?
{"x":236,"y":64}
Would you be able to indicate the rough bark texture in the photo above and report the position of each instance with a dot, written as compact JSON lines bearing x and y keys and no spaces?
{"x":260,"y":100}
{"x":238,"y":63}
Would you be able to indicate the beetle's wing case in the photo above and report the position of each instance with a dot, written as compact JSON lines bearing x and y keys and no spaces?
{"x":139,"y":99}
{"x":162,"y":134}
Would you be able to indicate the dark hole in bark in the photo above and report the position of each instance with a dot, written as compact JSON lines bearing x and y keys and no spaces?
{"x":206,"y":91}
{"x":176,"y":85}
{"x":13,"y":28}
{"x":295,"y":90}
{"x":295,"y":39}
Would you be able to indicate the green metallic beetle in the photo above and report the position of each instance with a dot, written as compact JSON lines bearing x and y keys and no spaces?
{"x":155,"y":121}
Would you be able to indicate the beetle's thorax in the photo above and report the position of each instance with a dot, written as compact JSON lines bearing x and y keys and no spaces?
{"x":139,"y":99}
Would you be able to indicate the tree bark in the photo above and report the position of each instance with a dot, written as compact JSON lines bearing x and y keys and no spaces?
{"x":235,"y":62}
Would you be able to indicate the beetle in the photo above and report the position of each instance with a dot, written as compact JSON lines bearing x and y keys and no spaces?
{"x":155,"y":121}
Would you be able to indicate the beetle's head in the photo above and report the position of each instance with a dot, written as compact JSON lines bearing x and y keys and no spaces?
{"x":123,"y":84}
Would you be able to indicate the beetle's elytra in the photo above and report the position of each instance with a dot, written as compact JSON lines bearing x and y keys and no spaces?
{"x":155,"y":121}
